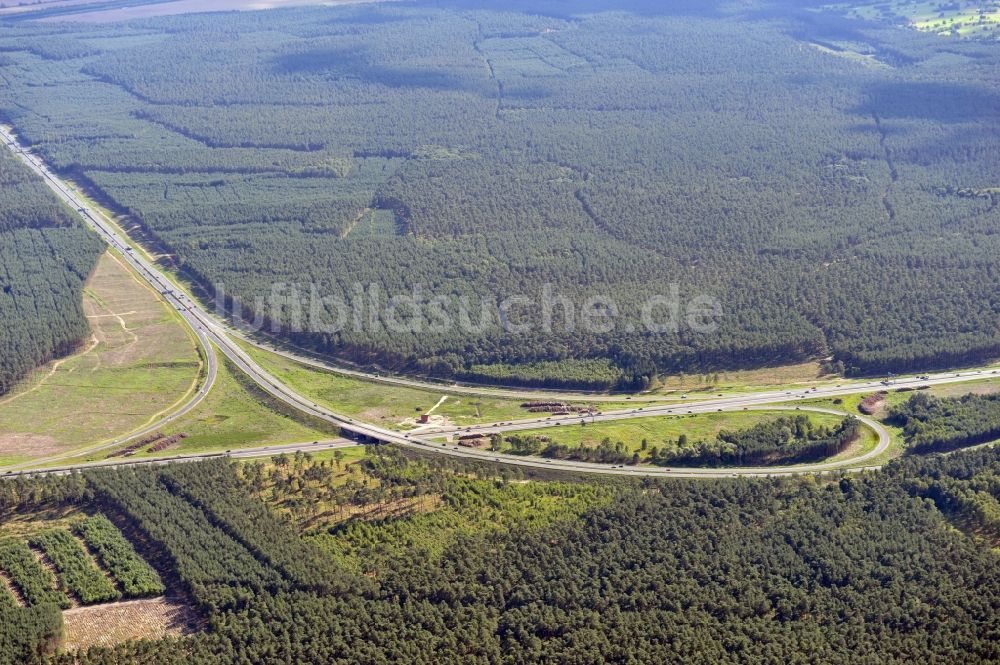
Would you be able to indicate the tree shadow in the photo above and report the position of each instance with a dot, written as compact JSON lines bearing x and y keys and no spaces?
{"x":941,"y":102}
{"x":355,"y":64}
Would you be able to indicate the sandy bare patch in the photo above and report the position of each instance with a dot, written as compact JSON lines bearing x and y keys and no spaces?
{"x":114,"y":623}
{"x":874,"y":405}
{"x":187,"y":7}
{"x":17,"y":445}
{"x":433,"y":421}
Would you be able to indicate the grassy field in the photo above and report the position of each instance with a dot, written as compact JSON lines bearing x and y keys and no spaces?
{"x":964,"y":18}
{"x":849,"y":404}
{"x":850,"y":51}
{"x":140,"y":363}
{"x":398,"y":407}
{"x":656,"y":430}
{"x":236,"y":414}
{"x":348,"y":456}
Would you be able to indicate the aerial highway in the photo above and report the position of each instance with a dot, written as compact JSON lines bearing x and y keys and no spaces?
{"x":320,"y":446}
{"x":213,"y":332}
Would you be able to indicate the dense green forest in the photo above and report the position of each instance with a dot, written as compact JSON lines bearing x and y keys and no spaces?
{"x":939,"y":424}
{"x":963,"y":488}
{"x":832,"y":183}
{"x":861,"y":569}
{"x":44,"y":260}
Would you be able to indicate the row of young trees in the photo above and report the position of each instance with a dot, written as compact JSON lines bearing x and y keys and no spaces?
{"x":31,"y":623}
{"x":204,"y":556}
{"x":254,"y":527}
{"x":76,"y":571}
{"x":117,"y":555}
{"x":32,"y":581}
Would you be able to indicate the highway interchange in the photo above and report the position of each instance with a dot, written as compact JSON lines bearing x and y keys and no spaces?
{"x":213,"y":334}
